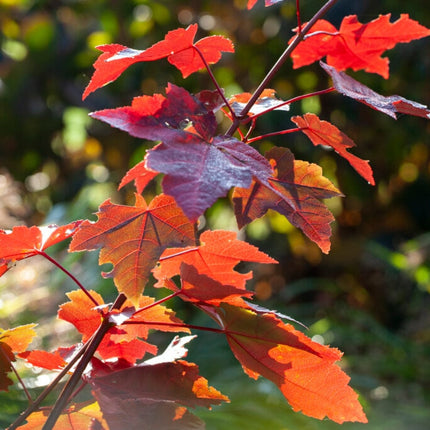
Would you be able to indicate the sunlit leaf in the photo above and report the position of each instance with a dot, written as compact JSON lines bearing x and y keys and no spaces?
{"x":132,"y":238}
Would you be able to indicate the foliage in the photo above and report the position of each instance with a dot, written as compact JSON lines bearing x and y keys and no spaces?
{"x":162,"y":237}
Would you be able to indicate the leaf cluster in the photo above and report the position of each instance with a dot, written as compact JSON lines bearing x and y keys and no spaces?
{"x":162,"y":238}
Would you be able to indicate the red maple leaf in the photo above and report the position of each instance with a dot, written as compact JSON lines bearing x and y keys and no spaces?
{"x":391,"y":105}
{"x":132,"y":238}
{"x":24,"y":242}
{"x":50,"y":360}
{"x":198,"y":168}
{"x":355,"y":45}
{"x":141,"y":176}
{"x":162,"y":118}
{"x":326,"y":134}
{"x":123,"y":341}
{"x":216,"y":257}
{"x":178,"y":47}
{"x":304,"y":371}
{"x":294,"y":191}
{"x":12,"y":341}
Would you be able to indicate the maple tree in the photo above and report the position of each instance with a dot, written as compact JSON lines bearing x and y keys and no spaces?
{"x":161,"y":238}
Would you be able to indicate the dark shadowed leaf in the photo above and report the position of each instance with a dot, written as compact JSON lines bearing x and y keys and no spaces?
{"x":391,"y":105}
{"x":295,"y":191}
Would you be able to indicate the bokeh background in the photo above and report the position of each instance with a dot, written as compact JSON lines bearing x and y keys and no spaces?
{"x":369,"y":297}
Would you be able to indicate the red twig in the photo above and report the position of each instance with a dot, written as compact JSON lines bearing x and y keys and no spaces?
{"x":217,"y":86}
{"x":70,"y":275}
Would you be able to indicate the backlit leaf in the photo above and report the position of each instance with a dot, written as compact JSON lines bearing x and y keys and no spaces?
{"x":123,"y":341}
{"x":178,"y":47}
{"x":24,"y":242}
{"x":216,"y":257}
{"x":304,"y":371}
{"x":132,"y":238}
{"x":355,"y":45}
{"x":140,"y":175}
{"x":326,"y":134}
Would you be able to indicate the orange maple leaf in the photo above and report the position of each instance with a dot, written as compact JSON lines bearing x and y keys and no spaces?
{"x":304,"y":371}
{"x":132,"y":238}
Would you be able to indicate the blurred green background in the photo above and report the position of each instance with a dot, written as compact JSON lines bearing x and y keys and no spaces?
{"x":369,"y":297}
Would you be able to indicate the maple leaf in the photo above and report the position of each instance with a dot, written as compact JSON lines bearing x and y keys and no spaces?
{"x":24,"y":242}
{"x":140,"y":175}
{"x":294,"y":191}
{"x":153,"y":396}
{"x":132,"y":238}
{"x":198,"y":173}
{"x":178,"y":47}
{"x":391,"y":105}
{"x":162,"y":118}
{"x":326,"y":134}
{"x":79,"y":416}
{"x":121,"y":341}
{"x":355,"y":45}
{"x":303,"y":370}
{"x":207,"y":272}
{"x":14,"y":340}
{"x":198,"y":168}
{"x":50,"y":360}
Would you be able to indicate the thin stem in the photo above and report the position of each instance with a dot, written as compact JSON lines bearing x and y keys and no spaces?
{"x":183,"y":325}
{"x":70,"y":275}
{"x":299,"y":20}
{"x":158,"y":302}
{"x":274,"y":70}
{"x":316,"y":33}
{"x":185,"y":251}
{"x":69,"y":388}
{"x":250,"y":130}
{"x":275,"y":133}
{"x":35,"y":405}
{"x":215,"y":82}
